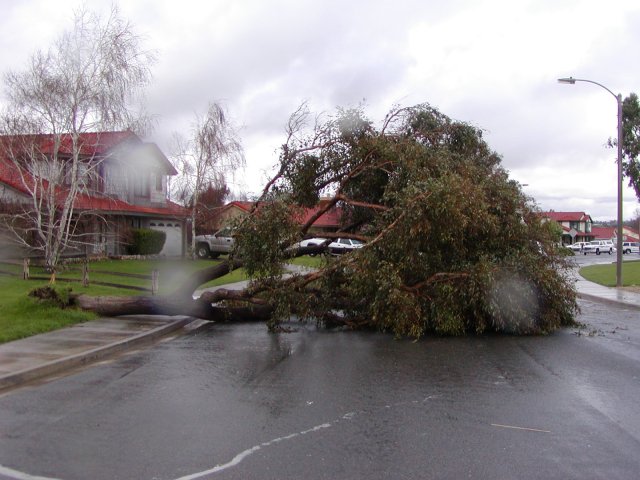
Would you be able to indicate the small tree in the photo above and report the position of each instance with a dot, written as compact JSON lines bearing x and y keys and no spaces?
{"x":86,"y":82}
{"x":213,"y":151}
{"x":212,"y":199}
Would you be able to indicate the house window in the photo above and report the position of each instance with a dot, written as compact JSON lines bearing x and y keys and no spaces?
{"x":158,"y":182}
{"x":575,"y":226}
{"x":141,"y":186}
{"x":82,"y":174}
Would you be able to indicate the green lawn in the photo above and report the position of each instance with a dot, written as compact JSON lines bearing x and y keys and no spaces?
{"x":606,"y":274}
{"x":307,"y":261}
{"x":22,"y":316}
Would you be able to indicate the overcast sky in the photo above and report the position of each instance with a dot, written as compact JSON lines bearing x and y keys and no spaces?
{"x":491,"y":63}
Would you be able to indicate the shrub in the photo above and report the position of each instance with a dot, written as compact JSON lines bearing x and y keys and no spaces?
{"x":144,"y":241}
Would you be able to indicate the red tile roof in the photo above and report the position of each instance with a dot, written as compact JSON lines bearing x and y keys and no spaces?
{"x":603,"y":233}
{"x":245,"y":206}
{"x":329,"y":219}
{"x":567,"y":216}
{"x":115,"y":206}
{"x":91,"y":144}
{"x":10,"y":176}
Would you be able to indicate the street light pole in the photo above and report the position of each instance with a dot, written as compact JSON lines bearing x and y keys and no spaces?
{"x":619,"y":233}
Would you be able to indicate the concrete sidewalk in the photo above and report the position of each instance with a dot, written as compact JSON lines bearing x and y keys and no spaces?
{"x":592,"y":291}
{"x":40,"y":356}
{"x":23,"y":361}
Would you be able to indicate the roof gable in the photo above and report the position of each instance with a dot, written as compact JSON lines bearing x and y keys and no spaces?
{"x":568,"y":216}
{"x":600,"y":233}
{"x":125,"y":146}
{"x":329,"y":219}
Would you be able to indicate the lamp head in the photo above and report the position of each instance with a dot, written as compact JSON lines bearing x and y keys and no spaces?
{"x":569,"y":80}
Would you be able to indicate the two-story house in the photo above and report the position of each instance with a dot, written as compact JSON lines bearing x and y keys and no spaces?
{"x":576,"y":226}
{"x":125,"y":183}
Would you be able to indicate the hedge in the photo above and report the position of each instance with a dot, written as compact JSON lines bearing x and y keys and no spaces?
{"x":145,"y":241}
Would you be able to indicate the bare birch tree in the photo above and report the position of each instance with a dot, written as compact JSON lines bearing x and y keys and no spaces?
{"x":213,"y":151}
{"x":87,"y":82}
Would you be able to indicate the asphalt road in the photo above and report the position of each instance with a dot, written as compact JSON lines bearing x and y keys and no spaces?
{"x":593,"y":259}
{"x":234,"y":402}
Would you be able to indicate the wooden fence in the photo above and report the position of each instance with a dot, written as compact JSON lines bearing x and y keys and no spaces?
{"x":154,"y":278}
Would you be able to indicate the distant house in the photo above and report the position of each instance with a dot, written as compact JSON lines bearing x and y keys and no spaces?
{"x":576,"y":226}
{"x":611,"y":233}
{"x":327,"y":222}
{"x":127,"y":189}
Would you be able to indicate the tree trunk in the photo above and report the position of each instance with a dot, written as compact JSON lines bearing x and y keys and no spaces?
{"x":207,"y":306}
{"x":171,"y":305}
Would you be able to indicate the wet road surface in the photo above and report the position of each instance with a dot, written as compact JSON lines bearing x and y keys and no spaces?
{"x":235,"y":402}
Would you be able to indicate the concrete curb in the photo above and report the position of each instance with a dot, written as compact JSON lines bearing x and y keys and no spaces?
{"x":21,"y":377}
{"x":609,"y":301}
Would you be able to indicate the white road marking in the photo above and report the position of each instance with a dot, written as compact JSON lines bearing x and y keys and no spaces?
{"x":11,"y":473}
{"x":242,"y":455}
{"x":520,"y":428}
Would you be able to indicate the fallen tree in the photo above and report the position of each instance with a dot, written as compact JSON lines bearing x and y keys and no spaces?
{"x":452,"y":244}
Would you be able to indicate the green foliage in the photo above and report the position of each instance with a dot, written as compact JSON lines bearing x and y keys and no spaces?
{"x":144,"y":241}
{"x":454,"y":245}
{"x":631,"y":140}
{"x":261,"y":238}
{"x":555,"y":231}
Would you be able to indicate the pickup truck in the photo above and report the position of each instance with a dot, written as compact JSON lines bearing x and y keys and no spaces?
{"x":598,"y":247}
{"x":213,"y":245}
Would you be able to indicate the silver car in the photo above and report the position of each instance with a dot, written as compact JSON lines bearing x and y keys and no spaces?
{"x":343,"y":245}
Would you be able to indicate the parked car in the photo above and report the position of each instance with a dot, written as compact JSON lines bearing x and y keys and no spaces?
{"x":630,"y":247}
{"x":343,"y":245}
{"x":311,"y":242}
{"x":577,"y":247}
{"x":598,"y":247}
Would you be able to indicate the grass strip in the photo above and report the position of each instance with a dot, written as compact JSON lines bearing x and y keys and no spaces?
{"x":606,"y":274}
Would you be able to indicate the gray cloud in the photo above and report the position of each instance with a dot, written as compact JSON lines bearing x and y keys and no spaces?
{"x":492,"y":63}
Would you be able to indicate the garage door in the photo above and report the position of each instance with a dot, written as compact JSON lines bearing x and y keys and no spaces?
{"x":173,"y":243}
